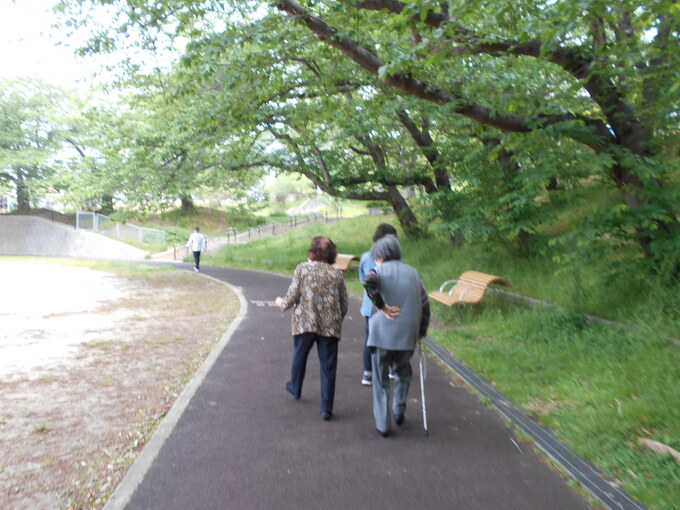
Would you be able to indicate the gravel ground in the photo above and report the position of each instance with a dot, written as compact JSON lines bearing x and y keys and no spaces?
{"x":92,"y":356}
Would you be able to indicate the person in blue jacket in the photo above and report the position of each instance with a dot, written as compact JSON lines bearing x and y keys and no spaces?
{"x":366,"y":263}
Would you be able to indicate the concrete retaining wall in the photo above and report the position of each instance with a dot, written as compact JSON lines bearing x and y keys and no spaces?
{"x":28,"y":235}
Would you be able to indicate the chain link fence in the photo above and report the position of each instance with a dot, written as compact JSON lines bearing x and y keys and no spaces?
{"x":102,"y":224}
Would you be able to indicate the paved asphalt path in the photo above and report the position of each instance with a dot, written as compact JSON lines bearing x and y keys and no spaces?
{"x":242,"y":442}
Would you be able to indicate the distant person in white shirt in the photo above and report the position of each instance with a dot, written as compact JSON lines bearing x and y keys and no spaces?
{"x":198,"y":242}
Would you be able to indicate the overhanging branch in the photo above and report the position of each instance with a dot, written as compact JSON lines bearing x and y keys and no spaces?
{"x":411,"y":86}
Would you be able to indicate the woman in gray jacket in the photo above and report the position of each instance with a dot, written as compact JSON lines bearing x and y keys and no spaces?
{"x":395,"y":332}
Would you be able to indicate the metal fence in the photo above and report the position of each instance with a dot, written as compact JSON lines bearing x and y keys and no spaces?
{"x":231,"y":233}
{"x":102,"y":224}
{"x":293,"y":222}
{"x":86,"y":220}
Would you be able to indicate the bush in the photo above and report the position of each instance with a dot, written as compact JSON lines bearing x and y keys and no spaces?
{"x":177,"y":235}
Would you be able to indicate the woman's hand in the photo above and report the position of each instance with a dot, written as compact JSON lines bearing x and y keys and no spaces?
{"x":391,"y":312}
{"x":278,"y":302}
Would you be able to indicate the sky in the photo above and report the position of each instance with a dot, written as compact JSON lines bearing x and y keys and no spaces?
{"x":29,"y":46}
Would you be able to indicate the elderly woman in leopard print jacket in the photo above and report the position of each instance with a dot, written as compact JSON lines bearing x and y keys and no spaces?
{"x":319,"y":297}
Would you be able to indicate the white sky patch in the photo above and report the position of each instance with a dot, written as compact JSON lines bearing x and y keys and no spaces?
{"x":31,"y":47}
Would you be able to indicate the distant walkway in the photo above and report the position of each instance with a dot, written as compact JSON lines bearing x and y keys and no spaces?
{"x":236,"y":440}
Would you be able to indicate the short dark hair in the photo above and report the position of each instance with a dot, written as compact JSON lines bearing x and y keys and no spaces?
{"x":196,"y":229}
{"x":384,"y":229}
{"x":322,"y":249}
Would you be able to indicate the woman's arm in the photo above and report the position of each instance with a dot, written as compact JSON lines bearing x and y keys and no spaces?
{"x":293,"y":294}
{"x":371,"y":284}
{"x":344,"y":302}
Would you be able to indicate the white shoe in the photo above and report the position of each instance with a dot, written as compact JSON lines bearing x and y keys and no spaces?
{"x":197,"y":270}
{"x":366,"y":381}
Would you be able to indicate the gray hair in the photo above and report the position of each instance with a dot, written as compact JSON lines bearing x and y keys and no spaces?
{"x":387,"y":248}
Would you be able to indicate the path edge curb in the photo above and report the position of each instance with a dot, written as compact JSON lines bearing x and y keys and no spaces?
{"x":587,"y":475}
{"x":126,"y":488}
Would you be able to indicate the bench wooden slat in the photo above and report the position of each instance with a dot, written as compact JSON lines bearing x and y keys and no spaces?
{"x":343,"y":260}
{"x":469,"y":288}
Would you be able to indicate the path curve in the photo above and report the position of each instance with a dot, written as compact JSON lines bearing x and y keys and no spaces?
{"x":237,"y":440}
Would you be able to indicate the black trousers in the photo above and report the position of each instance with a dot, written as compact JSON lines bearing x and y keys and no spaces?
{"x":197,"y":259}
{"x":327,"y":348}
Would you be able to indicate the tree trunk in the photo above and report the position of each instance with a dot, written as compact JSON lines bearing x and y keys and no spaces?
{"x":511,"y":170}
{"x":457,"y":239}
{"x":405,"y":215}
{"x":107,"y":204}
{"x":523,"y":238}
{"x":23,"y":196}
{"x":188,"y":205}
{"x":424,"y":141}
{"x":633,"y":190}
{"x":553,"y":184}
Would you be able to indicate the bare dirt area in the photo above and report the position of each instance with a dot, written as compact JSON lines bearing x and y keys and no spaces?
{"x":92,"y":356}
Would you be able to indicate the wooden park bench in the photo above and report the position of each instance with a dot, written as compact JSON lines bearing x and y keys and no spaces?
{"x":470,"y":287}
{"x":343,"y":260}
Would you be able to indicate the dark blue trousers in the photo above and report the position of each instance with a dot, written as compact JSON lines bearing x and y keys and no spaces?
{"x":368,"y":364}
{"x":327,"y":348}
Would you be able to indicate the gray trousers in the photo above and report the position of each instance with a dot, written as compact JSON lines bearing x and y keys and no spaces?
{"x":382,"y":360}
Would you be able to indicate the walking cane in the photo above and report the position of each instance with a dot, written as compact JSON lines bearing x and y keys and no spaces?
{"x":422,"y":386}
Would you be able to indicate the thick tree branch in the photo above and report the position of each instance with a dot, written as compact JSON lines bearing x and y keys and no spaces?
{"x":374,"y":151}
{"x":319,"y":157}
{"x":573,"y":60}
{"x":624,"y":30}
{"x":411,"y":180}
{"x":599,"y":37}
{"x":423,"y":140}
{"x":359,"y":151}
{"x":322,"y":163}
{"x":76,"y":147}
{"x":406,"y":83}
{"x":314,"y":68}
{"x":330,"y":184}
{"x":289,"y":140}
{"x":340,"y":87}
{"x":369,"y":196}
{"x":656,"y":66}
